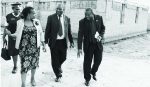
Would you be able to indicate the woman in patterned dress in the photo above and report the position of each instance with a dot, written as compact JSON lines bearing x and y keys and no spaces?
{"x":29,"y":36}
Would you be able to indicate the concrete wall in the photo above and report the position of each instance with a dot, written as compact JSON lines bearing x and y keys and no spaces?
{"x":114,"y":29}
{"x":148,"y":26}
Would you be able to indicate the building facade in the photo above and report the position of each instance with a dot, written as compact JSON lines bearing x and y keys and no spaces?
{"x":120,"y":18}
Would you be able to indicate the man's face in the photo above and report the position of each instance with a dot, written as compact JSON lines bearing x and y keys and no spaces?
{"x":59,"y":11}
{"x":16,"y":10}
{"x":88,"y":15}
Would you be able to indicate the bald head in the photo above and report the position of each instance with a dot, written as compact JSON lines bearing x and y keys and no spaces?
{"x":60,"y":9}
{"x":89,"y":13}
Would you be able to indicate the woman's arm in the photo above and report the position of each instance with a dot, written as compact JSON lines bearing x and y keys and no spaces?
{"x":42,"y":39}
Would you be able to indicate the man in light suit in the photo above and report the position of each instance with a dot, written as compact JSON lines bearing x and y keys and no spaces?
{"x":91,"y":31}
{"x":58,"y":31}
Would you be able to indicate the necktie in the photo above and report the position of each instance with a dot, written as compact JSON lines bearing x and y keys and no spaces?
{"x":93,"y":30}
{"x":93,"y":27}
{"x":60,"y":27}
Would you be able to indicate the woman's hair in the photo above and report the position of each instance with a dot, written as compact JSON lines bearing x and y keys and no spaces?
{"x":25,"y":12}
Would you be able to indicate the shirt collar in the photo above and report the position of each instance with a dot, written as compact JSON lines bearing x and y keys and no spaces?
{"x":60,"y":16}
{"x":16,"y":15}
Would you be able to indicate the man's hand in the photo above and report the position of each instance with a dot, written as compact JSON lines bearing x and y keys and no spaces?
{"x":79,"y":53}
{"x":71,"y":45}
{"x":99,"y":38}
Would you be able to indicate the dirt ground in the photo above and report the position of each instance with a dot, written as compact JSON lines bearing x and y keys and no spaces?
{"x":126,"y":63}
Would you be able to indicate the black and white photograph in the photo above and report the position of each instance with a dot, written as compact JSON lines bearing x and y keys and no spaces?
{"x":75,"y":43}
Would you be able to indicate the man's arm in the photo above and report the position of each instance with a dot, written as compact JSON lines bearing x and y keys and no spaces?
{"x":48,"y":30}
{"x":80,"y":40}
{"x":80,"y":36}
{"x":69,"y":32}
{"x":102,"y":28}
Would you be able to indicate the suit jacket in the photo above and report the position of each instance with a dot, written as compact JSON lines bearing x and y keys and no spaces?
{"x":84,"y":31}
{"x":52,"y":29}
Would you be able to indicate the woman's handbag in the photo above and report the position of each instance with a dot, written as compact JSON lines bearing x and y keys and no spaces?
{"x":4,"y":51}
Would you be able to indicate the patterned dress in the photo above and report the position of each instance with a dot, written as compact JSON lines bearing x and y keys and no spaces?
{"x":28,"y":51}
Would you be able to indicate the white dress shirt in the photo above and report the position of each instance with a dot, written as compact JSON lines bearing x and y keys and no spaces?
{"x":63,"y":31}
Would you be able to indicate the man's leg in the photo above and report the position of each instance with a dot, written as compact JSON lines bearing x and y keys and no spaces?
{"x":97,"y":60}
{"x":88,"y":56}
{"x":55,"y":61}
{"x":63,"y":53}
{"x":62,"y":58}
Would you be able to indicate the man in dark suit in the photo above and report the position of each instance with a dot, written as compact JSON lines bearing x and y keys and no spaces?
{"x":58,"y":31}
{"x":92,"y":29}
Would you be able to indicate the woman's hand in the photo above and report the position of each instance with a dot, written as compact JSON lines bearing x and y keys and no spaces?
{"x":43,"y":46}
{"x":44,"y":49}
{"x":13,"y":36}
{"x":7,"y":32}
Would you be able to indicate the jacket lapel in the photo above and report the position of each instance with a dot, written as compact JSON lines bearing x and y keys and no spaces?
{"x":65,"y":24}
{"x":56,"y":22}
{"x":97,"y":23}
{"x":87,"y":26}
{"x":56,"y":18}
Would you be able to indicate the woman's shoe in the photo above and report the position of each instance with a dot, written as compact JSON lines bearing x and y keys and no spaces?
{"x":23,"y":85}
{"x":14,"y":70}
{"x":33,"y":83}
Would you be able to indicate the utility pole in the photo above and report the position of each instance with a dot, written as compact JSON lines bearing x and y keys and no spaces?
{"x":39,"y":12}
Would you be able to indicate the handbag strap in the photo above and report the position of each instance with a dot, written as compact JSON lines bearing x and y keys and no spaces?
{"x":5,"y":43}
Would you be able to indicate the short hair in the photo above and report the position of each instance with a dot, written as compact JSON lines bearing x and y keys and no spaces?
{"x":61,"y":6}
{"x":89,"y":9}
{"x":25,"y":12}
